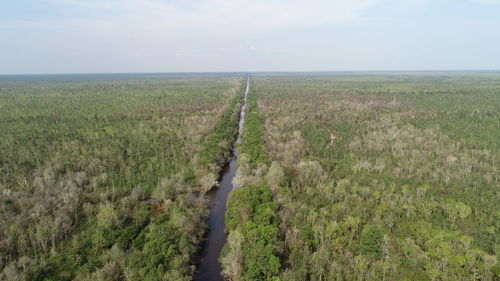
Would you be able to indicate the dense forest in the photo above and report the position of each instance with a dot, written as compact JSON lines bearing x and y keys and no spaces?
{"x":368,"y":177}
{"x":97,"y":174}
{"x":340,"y":176}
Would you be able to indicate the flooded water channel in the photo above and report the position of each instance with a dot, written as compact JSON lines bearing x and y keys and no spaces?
{"x":209,"y":268}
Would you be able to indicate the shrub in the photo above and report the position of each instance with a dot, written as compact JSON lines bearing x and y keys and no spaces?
{"x":371,"y":241}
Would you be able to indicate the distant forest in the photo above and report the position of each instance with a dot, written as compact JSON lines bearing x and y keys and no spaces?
{"x":340,"y":176}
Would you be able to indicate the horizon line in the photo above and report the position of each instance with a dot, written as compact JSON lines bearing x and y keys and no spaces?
{"x":254,"y":72}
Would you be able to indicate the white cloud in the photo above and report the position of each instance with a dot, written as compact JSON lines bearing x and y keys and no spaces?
{"x":253,"y":48}
{"x":221,"y":15}
{"x":225,"y":35}
{"x":143,"y":54}
{"x":197,"y":55}
{"x":489,"y":2}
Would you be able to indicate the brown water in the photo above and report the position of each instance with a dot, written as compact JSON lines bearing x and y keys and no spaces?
{"x":209,"y":268}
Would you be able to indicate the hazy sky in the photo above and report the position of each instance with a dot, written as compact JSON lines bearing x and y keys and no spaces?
{"x":95,"y":36}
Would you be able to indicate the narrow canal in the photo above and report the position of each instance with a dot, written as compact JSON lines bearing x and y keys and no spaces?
{"x":209,"y":268}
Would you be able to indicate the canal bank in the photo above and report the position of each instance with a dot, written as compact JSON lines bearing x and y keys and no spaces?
{"x":209,"y":268}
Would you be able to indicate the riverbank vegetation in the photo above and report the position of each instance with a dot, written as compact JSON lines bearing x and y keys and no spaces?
{"x":384,"y":177}
{"x":252,"y":222}
{"x":97,"y":173}
{"x":218,"y":143}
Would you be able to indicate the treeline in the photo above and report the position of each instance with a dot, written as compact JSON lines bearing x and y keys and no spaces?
{"x":217,"y":144}
{"x":97,"y":176}
{"x":252,"y":142}
{"x":254,"y":237}
{"x":252,"y":222}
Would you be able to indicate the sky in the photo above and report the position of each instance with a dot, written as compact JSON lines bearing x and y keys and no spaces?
{"x":115,"y":36}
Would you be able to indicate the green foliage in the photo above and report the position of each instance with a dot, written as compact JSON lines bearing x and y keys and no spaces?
{"x":107,"y":218}
{"x":260,"y":261}
{"x":160,"y":249}
{"x":241,"y":205}
{"x":253,"y":138}
{"x":251,"y":210}
{"x":251,"y":216}
{"x":456,"y":210}
{"x":217,"y":143}
{"x":371,"y":241}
